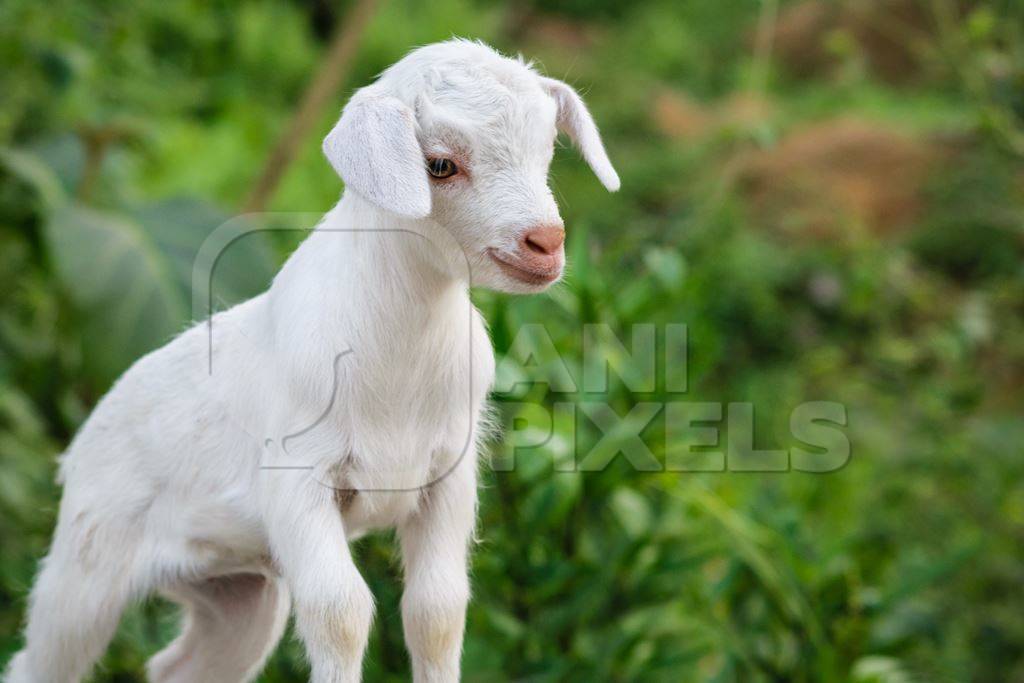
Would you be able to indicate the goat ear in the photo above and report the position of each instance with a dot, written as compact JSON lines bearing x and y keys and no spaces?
{"x":574,"y":119}
{"x":374,"y":149}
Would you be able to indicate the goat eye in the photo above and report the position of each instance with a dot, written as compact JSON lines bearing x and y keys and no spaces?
{"x":441,"y":168}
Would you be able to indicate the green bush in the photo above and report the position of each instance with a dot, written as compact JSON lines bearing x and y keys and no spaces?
{"x":903,"y":565}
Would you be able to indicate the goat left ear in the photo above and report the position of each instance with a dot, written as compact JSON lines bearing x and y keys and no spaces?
{"x":574,"y":119}
{"x":374,"y":149}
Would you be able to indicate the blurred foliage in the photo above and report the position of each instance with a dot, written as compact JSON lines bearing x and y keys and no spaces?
{"x":128,"y":131}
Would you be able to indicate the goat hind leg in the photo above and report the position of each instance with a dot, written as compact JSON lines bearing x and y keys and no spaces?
{"x":73,"y":613}
{"x":232,"y":624}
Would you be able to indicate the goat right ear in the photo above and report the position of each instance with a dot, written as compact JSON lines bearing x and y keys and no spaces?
{"x":574,"y":119}
{"x":374,"y":149}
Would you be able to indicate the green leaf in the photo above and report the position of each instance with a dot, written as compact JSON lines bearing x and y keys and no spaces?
{"x":876,"y":669}
{"x":30,"y":170}
{"x":667,"y":266}
{"x":179,"y":228}
{"x":633,"y":512}
{"x":129,"y":276}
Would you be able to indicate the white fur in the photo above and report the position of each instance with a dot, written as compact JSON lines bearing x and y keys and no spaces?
{"x":347,"y":398}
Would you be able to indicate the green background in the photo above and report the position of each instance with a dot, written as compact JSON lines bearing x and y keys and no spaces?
{"x":830,"y":196}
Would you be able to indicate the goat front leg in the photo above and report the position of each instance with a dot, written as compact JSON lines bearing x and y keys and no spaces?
{"x":333,"y":605}
{"x":435,"y":545}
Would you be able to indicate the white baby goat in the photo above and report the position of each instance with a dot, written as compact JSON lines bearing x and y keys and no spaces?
{"x":346,"y":398}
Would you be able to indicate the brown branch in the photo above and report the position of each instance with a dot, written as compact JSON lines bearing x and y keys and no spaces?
{"x":96,"y":141}
{"x":333,"y":70}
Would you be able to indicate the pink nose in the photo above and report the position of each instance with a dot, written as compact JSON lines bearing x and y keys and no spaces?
{"x":545,"y":240}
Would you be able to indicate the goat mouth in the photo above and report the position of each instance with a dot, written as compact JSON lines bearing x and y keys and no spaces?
{"x":519,"y":271}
